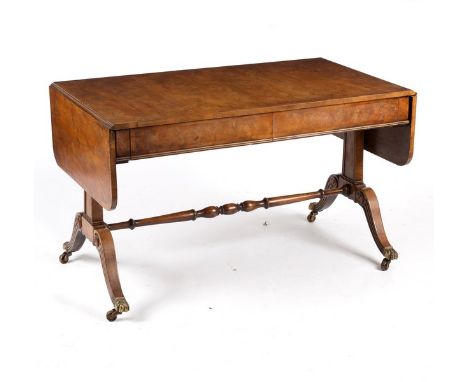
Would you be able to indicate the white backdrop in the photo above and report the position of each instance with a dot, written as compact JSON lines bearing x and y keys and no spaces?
{"x":232,"y":299}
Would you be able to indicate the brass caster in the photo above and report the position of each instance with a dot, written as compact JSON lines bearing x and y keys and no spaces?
{"x":390,"y":253}
{"x":63,"y":258}
{"x":311,"y":217}
{"x":112,"y":315}
{"x":313,"y":214}
{"x":385,"y":264}
{"x":121,"y":306}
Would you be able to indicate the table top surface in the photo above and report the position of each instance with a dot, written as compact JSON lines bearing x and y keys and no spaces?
{"x":201,"y":94}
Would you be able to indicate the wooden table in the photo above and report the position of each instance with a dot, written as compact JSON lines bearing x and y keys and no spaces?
{"x":98,"y":123}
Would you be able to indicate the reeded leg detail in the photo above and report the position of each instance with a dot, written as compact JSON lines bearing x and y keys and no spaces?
{"x":367,"y":199}
{"x":105,"y":245}
{"x":76,"y":241}
{"x":324,"y":202}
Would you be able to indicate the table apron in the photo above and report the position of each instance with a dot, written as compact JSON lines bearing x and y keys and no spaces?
{"x":162,"y":140}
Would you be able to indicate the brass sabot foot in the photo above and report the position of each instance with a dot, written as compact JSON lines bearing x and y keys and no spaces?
{"x":121,"y":305}
{"x":390,"y":254}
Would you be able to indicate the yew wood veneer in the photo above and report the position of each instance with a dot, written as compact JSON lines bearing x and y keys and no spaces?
{"x":98,"y":123}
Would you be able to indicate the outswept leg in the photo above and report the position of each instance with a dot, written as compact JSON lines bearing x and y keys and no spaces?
{"x":90,"y":225}
{"x":76,"y":241}
{"x":105,"y":245}
{"x":352,"y":177}
{"x":367,"y":199}
{"x":325,"y":201}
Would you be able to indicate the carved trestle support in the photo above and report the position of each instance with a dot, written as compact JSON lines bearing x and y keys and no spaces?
{"x":226,"y":209}
{"x":365,"y":196}
{"x":367,"y":199}
{"x":90,"y":225}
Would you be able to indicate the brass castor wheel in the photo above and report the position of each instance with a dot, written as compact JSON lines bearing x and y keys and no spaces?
{"x":112,"y":315}
{"x":311,"y":217}
{"x":63,"y":258}
{"x":385,"y":264}
{"x":313,"y":214}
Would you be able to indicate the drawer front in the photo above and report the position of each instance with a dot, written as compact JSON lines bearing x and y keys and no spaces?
{"x":336,"y":117}
{"x":186,"y":137}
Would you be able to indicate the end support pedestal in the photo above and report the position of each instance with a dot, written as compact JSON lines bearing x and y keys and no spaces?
{"x":90,"y":225}
{"x":351,"y":179}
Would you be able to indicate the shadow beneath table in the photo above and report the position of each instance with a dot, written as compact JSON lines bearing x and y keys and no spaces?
{"x":174,"y":281}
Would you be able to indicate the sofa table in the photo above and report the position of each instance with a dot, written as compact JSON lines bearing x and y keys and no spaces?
{"x":99,"y":123}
